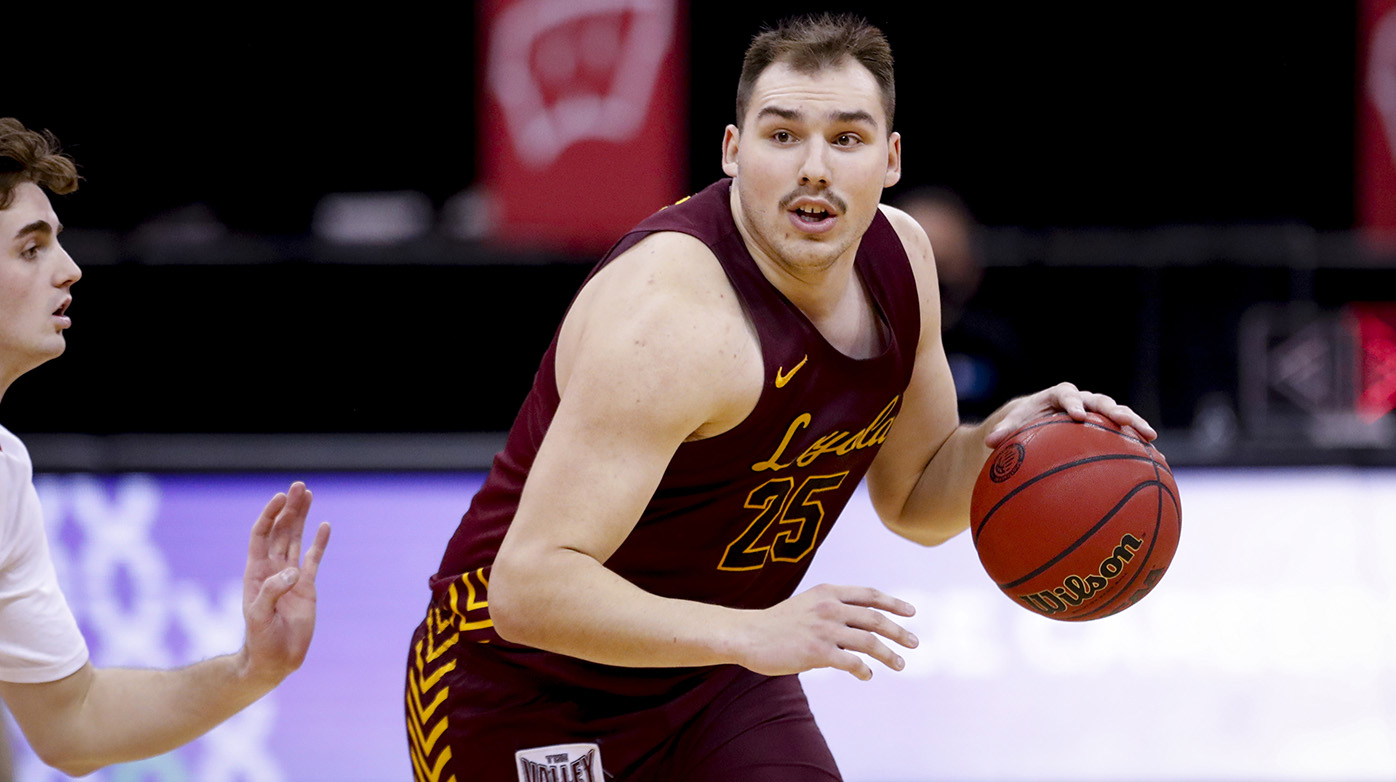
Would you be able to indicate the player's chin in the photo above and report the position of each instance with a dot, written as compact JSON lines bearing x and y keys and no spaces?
{"x":34,"y":357}
{"x":813,"y":253}
{"x":50,"y":349}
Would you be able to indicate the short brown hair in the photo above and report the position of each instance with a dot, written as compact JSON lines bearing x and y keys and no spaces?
{"x":30,"y":156}
{"x":810,"y":43}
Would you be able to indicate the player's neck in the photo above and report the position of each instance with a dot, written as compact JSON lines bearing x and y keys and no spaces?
{"x":830,"y":295}
{"x":9,"y":373}
{"x":818,"y":286}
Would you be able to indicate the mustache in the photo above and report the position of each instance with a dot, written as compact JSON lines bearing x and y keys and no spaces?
{"x":810,"y":192}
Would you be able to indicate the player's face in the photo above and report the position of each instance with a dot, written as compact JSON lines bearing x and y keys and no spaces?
{"x":810,"y":163}
{"x":36,"y":274}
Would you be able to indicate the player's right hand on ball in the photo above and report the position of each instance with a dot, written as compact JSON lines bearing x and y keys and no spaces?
{"x":823,"y":627}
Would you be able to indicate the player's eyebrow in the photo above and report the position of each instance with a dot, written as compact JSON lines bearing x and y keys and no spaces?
{"x":846,"y":116}
{"x":39,"y":227}
{"x":777,"y":111}
{"x":855,"y":116}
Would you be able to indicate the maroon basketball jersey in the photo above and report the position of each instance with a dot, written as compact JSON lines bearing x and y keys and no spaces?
{"x":736,"y":517}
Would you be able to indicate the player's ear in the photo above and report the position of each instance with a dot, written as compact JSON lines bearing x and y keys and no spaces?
{"x":894,"y":160}
{"x":730,"y":139}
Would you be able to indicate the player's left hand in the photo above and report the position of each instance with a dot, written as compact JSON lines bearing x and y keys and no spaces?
{"x":278,"y":589}
{"x":1071,"y":400}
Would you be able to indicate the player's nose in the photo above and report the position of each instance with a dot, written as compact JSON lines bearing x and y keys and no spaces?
{"x":814,"y":168}
{"x":67,"y":271}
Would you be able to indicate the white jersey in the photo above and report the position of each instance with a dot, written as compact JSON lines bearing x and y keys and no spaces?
{"x":39,"y":638}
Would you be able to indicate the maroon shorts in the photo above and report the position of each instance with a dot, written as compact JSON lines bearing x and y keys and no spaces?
{"x":470,"y":708}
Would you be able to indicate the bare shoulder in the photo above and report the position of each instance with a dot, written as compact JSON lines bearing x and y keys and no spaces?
{"x":667,"y":268}
{"x":913,"y":236}
{"x":663,"y":321}
{"x":918,"y":250}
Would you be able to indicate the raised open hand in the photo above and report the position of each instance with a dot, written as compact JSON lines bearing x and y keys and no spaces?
{"x":278,"y":593}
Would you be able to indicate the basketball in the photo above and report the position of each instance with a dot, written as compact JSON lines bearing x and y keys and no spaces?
{"x":1075,"y":520}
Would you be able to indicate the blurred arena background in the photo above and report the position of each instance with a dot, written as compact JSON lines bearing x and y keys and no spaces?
{"x":336,"y":252}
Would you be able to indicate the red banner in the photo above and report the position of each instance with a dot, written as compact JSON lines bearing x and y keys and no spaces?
{"x":1374,"y":327}
{"x":1376,"y":115}
{"x":582,"y":129}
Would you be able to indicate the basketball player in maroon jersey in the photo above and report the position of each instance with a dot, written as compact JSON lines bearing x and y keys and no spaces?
{"x":618,"y":602}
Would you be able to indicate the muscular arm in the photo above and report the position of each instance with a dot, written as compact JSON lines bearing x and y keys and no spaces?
{"x":922,"y":479}
{"x":655,"y":349}
{"x":919,"y":484}
{"x":96,"y":717}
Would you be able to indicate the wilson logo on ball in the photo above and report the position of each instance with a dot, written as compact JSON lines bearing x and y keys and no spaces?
{"x":1076,"y":590}
{"x":1007,"y":463}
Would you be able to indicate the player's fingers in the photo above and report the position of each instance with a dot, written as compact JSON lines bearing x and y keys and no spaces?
{"x":290,"y":523}
{"x":877,"y":622}
{"x":259,"y":542}
{"x":1025,"y":409}
{"x":264,"y":605}
{"x":870,"y":597}
{"x":1068,"y":398}
{"x":848,"y":661}
{"x":867,"y":643}
{"x":298,"y":499}
{"x":311,"y":566}
{"x":1126,"y":417}
{"x":1122,"y":415}
{"x":1100,"y":403}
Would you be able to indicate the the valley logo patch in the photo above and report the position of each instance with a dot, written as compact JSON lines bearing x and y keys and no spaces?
{"x":560,"y":763}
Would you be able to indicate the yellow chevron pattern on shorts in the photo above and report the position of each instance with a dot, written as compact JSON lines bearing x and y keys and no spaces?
{"x":474,"y":615}
{"x":425,"y":694}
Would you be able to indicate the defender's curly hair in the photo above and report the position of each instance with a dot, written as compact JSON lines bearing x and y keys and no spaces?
{"x":32,"y":156}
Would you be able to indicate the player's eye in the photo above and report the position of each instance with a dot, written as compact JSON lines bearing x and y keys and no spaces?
{"x":845,"y":140}
{"x":782,"y":137}
{"x":30,"y":253}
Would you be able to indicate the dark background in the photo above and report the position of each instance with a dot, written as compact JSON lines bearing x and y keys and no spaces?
{"x":1048,"y":120}
{"x":1095,"y":114}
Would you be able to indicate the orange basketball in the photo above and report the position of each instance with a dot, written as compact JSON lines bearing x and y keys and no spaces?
{"x":1075,"y":519}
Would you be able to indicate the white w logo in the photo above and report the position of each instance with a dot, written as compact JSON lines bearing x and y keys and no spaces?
{"x":569,"y":70}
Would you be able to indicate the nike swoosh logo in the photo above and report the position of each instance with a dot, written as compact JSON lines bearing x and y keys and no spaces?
{"x":783,"y":377}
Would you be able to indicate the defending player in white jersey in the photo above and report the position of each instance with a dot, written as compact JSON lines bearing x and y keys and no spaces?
{"x":77,"y":717}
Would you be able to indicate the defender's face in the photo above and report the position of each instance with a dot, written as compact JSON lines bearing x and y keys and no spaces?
{"x":36,"y":274}
{"x":810,"y":163}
